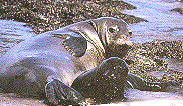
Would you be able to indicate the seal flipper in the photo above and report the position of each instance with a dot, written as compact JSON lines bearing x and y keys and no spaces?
{"x":57,"y":92}
{"x":73,"y":42}
{"x":75,"y":45}
{"x":136,"y":82}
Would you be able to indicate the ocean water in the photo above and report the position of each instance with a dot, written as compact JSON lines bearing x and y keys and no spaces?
{"x":163,"y":24}
{"x":11,"y":33}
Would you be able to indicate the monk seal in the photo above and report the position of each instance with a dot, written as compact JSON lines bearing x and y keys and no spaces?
{"x":49,"y":63}
{"x":71,"y":63}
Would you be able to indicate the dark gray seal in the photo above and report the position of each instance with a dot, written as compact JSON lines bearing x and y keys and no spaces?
{"x":49,"y":63}
{"x":71,"y":62}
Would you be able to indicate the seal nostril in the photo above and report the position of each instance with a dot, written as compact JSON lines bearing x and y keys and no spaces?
{"x":130,"y":32}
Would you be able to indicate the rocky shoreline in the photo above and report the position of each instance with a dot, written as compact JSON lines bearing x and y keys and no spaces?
{"x":179,"y":10}
{"x":43,"y":15}
{"x":147,"y":57}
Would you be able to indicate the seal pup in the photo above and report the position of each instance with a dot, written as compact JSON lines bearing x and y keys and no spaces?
{"x":49,"y":63}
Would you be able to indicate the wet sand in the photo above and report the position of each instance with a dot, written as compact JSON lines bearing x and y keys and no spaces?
{"x":135,"y":97}
{"x":11,"y":99}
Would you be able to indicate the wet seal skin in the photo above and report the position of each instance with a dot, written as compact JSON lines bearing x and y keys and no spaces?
{"x":105,"y":83}
{"x":49,"y":63}
{"x":85,"y":54}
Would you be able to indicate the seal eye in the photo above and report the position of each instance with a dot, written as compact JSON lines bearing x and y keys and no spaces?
{"x":130,"y":32}
{"x":111,"y":30}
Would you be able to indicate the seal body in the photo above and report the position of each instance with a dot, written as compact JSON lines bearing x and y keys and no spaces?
{"x":49,"y":63}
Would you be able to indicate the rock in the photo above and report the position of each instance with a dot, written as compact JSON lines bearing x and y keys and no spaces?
{"x":147,"y":57}
{"x":180,"y":10}
{"x":43,"y":15}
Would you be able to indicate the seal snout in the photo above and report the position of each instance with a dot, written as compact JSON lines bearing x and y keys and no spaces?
{"x":123,"y":39}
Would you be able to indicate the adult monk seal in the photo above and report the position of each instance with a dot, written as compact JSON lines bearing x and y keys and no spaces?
{"x":48,"y":63}
{"x":56,"y":63}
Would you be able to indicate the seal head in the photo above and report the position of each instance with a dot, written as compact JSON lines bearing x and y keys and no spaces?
{"x":114,"y":35}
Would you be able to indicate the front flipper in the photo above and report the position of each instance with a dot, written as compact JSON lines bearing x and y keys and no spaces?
{"x":57,"y":92}
{"x":75,"y":45}
{"x":73,"y":42}
{"x":136,"y":82}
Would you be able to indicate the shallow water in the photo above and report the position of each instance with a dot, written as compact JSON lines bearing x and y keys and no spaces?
{"x":14,"y":30}
{"x":163,"y":24}
{"x":175,"y":64}
{"x":11,"y":33}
